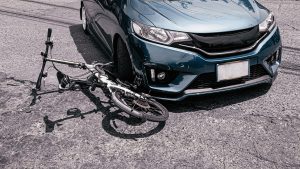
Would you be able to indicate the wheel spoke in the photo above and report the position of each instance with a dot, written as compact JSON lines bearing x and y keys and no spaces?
{"x":132,"y":108}
{"x":153,"y":113}
{"x":138,"y":108}
{"x":155,"y":109}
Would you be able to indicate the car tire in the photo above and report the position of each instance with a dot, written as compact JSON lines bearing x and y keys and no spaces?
{"x":84,"y":20}
{"x":124,"y":65}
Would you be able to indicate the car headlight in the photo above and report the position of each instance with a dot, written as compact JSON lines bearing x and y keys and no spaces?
{"x":159,"y":35}
{"x":268,"y":24}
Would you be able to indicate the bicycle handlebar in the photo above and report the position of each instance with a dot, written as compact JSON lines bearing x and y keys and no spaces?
{"x":49,"y":34}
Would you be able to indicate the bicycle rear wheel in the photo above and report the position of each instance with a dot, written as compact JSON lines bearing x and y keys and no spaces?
{"x":145,"y":108}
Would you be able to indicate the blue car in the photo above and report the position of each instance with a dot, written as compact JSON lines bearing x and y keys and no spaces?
{"x":179,"y":48}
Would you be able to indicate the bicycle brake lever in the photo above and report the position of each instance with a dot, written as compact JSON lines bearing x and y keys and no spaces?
{"x":78,"y":65}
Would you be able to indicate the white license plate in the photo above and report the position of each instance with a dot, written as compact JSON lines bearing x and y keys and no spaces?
{"x":232,"y":70}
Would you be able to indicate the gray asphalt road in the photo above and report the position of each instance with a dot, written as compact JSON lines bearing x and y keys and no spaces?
{"x":253,"y":128}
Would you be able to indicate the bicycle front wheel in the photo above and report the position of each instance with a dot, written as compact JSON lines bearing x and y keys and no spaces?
{"x":145,"y":108}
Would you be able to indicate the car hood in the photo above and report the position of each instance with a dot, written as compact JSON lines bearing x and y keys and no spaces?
{"x":201,"y":16}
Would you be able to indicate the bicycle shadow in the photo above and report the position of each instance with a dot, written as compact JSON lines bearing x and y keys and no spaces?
{"x":109,"y":121}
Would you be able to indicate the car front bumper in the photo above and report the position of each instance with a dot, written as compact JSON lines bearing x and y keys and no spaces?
{"x":190,"y":65}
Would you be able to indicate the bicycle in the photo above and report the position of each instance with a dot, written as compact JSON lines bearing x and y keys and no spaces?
{"x":139,"y":105}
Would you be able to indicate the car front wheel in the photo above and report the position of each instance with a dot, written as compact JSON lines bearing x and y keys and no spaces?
{"x":124,"y":66}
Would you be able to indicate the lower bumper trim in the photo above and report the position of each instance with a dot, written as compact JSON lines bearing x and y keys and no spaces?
{"x":198,"y":92}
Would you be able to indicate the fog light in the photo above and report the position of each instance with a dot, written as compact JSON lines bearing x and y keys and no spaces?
{"x":161,"y":76}
{"x":273,"y":59}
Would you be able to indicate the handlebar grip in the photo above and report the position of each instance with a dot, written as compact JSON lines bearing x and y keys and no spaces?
{"x":49,"y":33}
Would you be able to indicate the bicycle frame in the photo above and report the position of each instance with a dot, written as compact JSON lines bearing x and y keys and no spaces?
{"x":101,"y":77}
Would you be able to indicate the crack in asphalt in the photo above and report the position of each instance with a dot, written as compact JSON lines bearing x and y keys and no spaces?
{"x":18,"y":98}
{"x":296,"y":29}
{"x":274,"y":120}
{"x":20,"y":81}
{"x":259,"y":156}
{"x":4,"y":77}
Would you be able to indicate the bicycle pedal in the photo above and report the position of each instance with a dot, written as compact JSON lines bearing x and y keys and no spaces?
{"x":75,"y":112}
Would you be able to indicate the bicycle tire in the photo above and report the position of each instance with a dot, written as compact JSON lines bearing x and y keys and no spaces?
{"x":162,"y":113}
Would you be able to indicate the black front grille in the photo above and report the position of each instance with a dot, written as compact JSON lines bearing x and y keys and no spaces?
{"x":209,"y":80}
{"x":222,"y":42}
